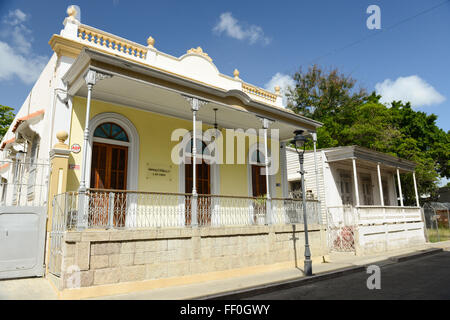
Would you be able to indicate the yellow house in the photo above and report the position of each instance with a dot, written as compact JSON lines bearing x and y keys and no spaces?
{"x":128,"y":203}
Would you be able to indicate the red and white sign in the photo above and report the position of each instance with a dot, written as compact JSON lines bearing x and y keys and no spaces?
{"x":75,"y":148}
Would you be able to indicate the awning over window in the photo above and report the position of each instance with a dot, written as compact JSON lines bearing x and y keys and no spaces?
{"x":29,"y":119}
{"x":7,"y":142}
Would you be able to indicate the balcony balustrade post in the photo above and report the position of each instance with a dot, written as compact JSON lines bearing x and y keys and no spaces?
{"x":110,"y":210}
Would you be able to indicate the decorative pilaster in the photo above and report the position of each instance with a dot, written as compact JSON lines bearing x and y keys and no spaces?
{"x":59,"y":163}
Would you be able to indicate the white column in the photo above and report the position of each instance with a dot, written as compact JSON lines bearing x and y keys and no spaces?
{"x":314,"y":136}
{"x":415,"y":189}
{"x":195,"y":106}
{"x":266,"y":124}
{"x":91,"y":78}
{"x":355,"y":181}
{"x":90,"y":86}
{"x":284,"y":178}
{"x":399,"y":188}
{"x":319,"y":207}
{"x":266,"y":155}
{"x":194,"y":208}
{"x":380,"y":185}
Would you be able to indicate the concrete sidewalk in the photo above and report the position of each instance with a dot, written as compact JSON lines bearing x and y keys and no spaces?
{"x":338,"y":263}
{"x":27,"y":289}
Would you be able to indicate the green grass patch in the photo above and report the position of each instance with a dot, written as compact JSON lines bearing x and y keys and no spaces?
{"x":444,"y":234}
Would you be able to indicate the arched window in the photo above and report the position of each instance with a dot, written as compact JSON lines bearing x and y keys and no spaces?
{"x":111,"y":131}
{"x":198,"y":142}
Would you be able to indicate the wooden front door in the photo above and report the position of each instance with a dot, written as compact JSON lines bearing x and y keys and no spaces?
{"x":259,"y":190}
{"x":109,"y":171}
{"x":259,"y":185}
{"x":203,"y":187}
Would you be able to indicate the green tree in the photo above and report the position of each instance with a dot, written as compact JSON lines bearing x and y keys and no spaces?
{"x":6,"y":118}
{"x":351,"y":117}
{"x":320,"y":93}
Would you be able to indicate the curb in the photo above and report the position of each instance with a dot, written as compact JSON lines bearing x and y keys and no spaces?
{"x":275,"y":286}
{"x":416,"y":255}
{"x":271,"y":287}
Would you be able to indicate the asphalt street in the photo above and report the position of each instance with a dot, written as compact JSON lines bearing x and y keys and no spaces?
{"x":427,"y":277}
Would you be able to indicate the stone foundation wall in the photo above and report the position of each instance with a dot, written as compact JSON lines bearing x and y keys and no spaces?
{"x":115,"y":256}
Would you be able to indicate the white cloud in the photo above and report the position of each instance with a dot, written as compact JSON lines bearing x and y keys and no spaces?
{"x":16,"y":56}
{"x":234,"y":29}
{"x":284,"y":81}
{"x":15,"y":17}
{"x":12,"y":64}
{"x":412,"y":89}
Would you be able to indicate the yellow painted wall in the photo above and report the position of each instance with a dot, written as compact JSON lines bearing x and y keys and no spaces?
{"x":155,"y":149}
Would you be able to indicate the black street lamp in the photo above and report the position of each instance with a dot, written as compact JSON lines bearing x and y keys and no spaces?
{"x":300,"y":142}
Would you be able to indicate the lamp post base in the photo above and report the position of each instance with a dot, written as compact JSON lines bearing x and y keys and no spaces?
{"x":308,"y":267}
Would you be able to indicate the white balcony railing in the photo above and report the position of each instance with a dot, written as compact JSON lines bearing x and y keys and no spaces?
{"x":133,"y":210}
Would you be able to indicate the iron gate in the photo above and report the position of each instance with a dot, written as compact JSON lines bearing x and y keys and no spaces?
{"x":23,"y":216}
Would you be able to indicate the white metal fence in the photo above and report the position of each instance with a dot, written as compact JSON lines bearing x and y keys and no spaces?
{"x":373,"y":228}
{"x":24,"y":183}
{"x":132,"y":210}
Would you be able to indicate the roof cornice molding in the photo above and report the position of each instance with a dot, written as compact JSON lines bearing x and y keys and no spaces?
{"x":92,"y":59}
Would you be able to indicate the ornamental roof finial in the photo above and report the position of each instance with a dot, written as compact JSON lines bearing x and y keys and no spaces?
{"x":151,"y":42}
{"x":236,"y":73}
{"x":72,"y":12}
{"x":277,"y":90}
{"x":199,"y":51}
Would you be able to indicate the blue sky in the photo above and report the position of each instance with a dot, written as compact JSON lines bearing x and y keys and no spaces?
{"x":261,"y":39}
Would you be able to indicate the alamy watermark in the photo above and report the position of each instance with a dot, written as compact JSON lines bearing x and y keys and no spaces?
{"x":374,"y":20}
{"x":374,"y":280}
{"x":230,"y":148}
{"x":73,"y":280}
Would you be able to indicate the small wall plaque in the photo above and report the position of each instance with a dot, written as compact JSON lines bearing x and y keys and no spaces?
{"x":75,"y":148}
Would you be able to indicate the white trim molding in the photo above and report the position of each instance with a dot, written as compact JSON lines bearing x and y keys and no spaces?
{"x":133,"y":146}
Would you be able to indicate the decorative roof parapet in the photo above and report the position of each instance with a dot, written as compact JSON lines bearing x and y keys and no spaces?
{"x":109,"y":41}
{"x":149,"y":55}
{"x":247,"y":88}
{"x":199,"y":51}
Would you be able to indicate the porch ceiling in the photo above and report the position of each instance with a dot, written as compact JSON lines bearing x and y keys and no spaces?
{"x":147,"y":89}
{"x":131,"y":93}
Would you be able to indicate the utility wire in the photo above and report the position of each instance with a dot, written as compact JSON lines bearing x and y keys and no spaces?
{"x":381,"y":31}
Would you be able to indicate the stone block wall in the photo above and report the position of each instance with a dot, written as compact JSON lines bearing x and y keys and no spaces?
{"x":115,"y":256}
